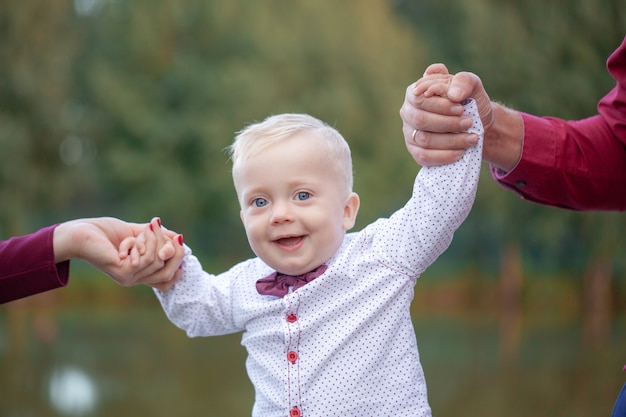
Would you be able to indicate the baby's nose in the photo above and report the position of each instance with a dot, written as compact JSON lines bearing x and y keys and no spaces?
{"x":281,"y":212}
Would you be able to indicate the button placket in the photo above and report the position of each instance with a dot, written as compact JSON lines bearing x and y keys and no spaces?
{"x":292,"y":354}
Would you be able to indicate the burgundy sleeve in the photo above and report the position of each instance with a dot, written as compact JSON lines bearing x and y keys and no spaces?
{"x":27,"y":266}
{"x":579,"y":165}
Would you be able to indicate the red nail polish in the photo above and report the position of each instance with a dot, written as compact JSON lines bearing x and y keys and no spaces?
{"x":180,"y":240}
{"x":159,"y":222}
{"x":151,"y":228}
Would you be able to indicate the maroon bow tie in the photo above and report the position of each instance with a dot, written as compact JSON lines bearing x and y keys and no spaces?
{"x":278,"y":284}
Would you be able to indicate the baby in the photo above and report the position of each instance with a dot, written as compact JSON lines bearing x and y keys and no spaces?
{"x":325,"y":314}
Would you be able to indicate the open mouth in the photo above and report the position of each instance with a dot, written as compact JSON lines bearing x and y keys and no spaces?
{"x":289,"y":242}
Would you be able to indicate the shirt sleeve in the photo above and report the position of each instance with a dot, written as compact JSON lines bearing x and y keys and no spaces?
{"x":27,"y":266}
{"x":200,"y":303}
{"x":579,"y":164}
{"x":414,"y":236}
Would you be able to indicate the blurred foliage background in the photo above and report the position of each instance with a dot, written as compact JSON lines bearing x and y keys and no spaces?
{"x":123,"y":108}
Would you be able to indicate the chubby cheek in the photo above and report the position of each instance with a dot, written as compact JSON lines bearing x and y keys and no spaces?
{"x":253,"y":242}
{"x":332,"y":232}
{"x":254,"y":233}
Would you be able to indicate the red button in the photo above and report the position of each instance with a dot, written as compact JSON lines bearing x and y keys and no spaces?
{"x":292,"y":357}
{"x":295,"y":412}
{"x":292,"y":318}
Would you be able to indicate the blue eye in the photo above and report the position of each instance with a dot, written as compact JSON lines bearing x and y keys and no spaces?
{"x":303,"y":195}
{"x":259,"y":202}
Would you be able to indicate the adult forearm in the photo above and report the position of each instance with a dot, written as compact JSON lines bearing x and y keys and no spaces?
{"x":27,"y":266}
{"x":571,"y":164}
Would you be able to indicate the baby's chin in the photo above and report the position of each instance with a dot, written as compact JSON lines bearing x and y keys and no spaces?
{"x":295,"y":270}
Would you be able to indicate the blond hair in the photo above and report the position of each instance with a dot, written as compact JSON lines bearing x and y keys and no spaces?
{"x":254,"y":138}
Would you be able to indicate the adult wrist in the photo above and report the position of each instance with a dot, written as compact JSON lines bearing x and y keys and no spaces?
{"x":502,"y":146}
{"x":63,"y":241}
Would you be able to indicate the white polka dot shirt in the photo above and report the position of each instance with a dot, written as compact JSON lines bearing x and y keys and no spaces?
{"x":343,"y":344}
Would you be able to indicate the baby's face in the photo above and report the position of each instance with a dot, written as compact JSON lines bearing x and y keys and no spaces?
{"x":293,"y":207}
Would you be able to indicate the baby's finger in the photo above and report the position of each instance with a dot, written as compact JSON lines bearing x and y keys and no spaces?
{"x":166,"y":251}
{"x":140,"y":243}
{"x":134,"y":257}
{"x":171,"y":270}
{"x":424,"y":84}
{"x":139,"y":250}
{"x":438,"y":89}
{"x":437,"y":68}
{"x":126,"y":246}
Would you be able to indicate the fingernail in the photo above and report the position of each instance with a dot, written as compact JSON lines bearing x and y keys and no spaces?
{"x":466,"y":123}
{"x":151,"y":228}
{"x":180,"y":240}
{"x":158,"y":221}
{"x":454,"y":92}
{"x":471,"y":139}
{"x":456,"y":109}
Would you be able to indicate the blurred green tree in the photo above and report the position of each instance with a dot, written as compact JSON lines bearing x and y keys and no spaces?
{"x":124,"y":108}
{"x":38,"y":46}
{"x":167,"y":84}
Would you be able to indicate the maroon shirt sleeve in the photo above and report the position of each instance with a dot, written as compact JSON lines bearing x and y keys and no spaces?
{"x":579,"y":165}
{"x":27,"y":266}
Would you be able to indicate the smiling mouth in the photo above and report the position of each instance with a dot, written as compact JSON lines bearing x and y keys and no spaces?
{"x":289,"y":242}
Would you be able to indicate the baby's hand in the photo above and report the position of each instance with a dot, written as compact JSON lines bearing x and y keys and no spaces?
{"x":136,"y":249}
{"x":435,"y":82}
{"x":152,"y":248}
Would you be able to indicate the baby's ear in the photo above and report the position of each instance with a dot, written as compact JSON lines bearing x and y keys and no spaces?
{"x":350,"y":210}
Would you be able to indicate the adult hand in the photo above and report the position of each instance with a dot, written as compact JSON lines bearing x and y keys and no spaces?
{"x":97,"y":241}
{"x":432,"y":115}
{"x":156,"y":250}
